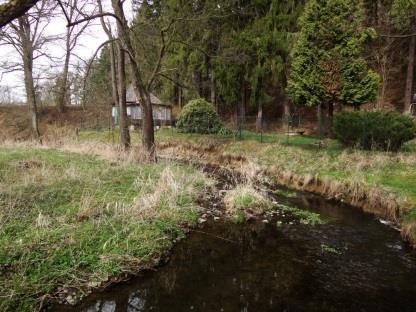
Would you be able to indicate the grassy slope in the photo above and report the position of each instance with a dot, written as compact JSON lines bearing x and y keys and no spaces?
{"x":394,"y":173}
{"x":69,"y":220}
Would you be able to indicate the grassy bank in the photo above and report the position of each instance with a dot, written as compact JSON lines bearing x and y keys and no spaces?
{"x":380,"y":182}
{"x":73,"y":222}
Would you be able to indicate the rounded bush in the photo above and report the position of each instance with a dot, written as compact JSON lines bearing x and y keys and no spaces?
{"x":374,"y":130}
{"x":198,"y":116}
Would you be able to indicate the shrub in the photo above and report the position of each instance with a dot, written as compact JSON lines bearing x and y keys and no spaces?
{"x":198,"y":116}
{"x":374,"y":130}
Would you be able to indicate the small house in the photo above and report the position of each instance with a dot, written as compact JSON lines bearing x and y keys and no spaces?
{"x":162,"y":113}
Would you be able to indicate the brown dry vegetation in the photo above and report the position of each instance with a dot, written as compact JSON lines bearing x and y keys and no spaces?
{"x":350,"y":176}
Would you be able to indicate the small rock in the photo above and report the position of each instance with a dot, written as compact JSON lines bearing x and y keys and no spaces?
{"x":94,"y":284}
{"x":202,"y":220}
{"x":216,"y":218}
{"x":279,"y":223}
{"x":265,"y":221}
{"x":71,"y":300}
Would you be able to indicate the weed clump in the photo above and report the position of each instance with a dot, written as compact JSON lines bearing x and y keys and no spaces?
{"x":244,"y":202}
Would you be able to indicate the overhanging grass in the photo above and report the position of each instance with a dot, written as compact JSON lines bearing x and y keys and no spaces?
{"x":68,"y":219}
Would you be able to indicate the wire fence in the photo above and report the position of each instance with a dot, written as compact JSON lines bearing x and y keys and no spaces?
{"x":286,"y":129}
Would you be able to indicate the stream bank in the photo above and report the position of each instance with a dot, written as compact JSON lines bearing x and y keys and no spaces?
{"x":374,"y":200}
{"x":350,"y":263}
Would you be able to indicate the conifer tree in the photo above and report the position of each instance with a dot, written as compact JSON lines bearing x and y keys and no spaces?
{"x":328,"y":65}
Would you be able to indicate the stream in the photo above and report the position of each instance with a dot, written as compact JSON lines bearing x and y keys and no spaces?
{"x":351,"y":263}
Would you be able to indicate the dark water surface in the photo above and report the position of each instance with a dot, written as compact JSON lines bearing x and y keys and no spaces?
{"x":352,"y":263}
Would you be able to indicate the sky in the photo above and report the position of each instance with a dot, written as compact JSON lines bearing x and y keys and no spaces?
{"x":44,"y":67}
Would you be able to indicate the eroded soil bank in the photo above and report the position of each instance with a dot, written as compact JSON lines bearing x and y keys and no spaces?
{"x":351,"y":263}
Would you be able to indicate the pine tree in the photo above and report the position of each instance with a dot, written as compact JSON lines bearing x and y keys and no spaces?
{"x":328,"y":65}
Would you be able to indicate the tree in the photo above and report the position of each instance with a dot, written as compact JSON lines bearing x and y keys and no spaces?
{"x":404,"y":18}
{"x":118,"y":80}
{"x":27,"y":37}
{"x":73,"y":10}
{"x":328,"y":66}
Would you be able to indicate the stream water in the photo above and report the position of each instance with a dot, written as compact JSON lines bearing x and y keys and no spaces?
{"x":352,"y":263}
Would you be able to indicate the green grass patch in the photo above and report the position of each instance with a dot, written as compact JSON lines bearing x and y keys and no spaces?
{"x":68,"y":219}
{"x":304,"y":216}
{"x":245,"y":200}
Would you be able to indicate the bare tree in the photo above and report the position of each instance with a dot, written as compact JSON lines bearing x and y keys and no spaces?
{"x":5,"y":95}
{"x":142,"y":88}
{"x":118,"y":85}
{"x":27,"y":36}
{"x":73,"y":10}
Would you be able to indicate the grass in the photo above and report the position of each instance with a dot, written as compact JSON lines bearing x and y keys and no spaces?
{"x":392,"y":176}
{"x":69,"y":221}
{"x":395,"y":173}
{"x":245,"y":200}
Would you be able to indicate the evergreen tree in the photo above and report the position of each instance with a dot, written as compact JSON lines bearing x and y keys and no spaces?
{"x":328,"y":65}
{"x":404,"y":19}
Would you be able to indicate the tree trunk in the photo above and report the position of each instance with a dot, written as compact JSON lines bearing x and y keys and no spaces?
{"x":213,"y":89}
{"x":243,"y":103}
{"x":114,"y":89}
{"x":124,"y":127}
{"x":31,"y":97}
{"x":410,"y":75}
{"x":28,"y":77}
{"x":259,"y":120}
{"x":148,"y":137}
{"x":63,"y":88}
{"x":180,"y":104}
{"x":320,"y":121}
{"x":330,"y":119}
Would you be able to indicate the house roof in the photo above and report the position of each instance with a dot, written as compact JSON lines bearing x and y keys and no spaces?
{"x":131,"y":97}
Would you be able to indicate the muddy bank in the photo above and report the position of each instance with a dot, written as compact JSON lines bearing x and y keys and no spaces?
{"x":369,"y":199}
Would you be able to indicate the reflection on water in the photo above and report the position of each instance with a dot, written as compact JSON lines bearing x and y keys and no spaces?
{"x":262,"y":267}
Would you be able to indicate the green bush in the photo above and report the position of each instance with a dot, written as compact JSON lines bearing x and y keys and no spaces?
{"x":374,"y":130}
{"x":198,"y":116}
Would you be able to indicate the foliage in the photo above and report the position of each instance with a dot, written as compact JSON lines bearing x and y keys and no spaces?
{"x":328,"y":64}
{"x":198,"y":116}
{"x":71,"y":220}
{"x":403,"y":13}
{"x":241,"y":44}
{"x":374,"y":130}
